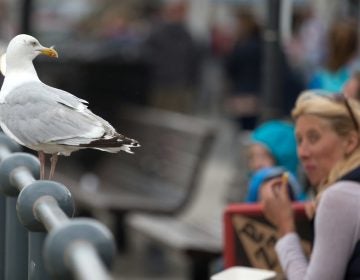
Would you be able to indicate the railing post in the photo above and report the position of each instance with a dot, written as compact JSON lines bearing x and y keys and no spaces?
{"x":7,"y":146}
{"x":36,"y":268}
{"x":2,"y":236}
{"x":17,"y":239}
{"x":16,"y":247}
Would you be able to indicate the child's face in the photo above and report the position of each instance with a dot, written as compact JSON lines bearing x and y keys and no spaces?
{"x":259,"y":157}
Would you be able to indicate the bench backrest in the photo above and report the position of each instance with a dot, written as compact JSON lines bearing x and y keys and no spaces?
{"x":169,"y":162}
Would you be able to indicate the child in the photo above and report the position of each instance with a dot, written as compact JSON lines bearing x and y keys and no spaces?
{"x":272,"y":151}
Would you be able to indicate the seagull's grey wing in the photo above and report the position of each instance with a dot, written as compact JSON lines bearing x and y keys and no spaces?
{"x":76,"y":103}
{"x":63,"y":97}
{"x":35,"y":114}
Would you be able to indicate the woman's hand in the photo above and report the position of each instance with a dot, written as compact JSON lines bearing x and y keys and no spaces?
{"x":277,"y":205}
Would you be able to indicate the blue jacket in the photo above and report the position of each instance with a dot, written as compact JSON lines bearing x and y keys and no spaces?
{"x":260,"y":176}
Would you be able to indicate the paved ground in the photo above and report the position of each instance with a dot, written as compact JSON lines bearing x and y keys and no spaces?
{"x":142,"y":263}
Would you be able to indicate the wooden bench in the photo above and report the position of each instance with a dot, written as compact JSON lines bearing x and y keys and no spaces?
{"x":161,"y":176}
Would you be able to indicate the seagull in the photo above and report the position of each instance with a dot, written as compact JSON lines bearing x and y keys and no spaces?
{"x":47,"y":119}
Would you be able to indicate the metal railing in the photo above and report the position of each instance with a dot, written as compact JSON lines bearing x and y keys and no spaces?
{"x":39,"y":239}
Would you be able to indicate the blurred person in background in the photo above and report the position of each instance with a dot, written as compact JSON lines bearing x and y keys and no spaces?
{"x":341,"y":45}
{"x":328,"y":144}
{"x":173,"y":59}
{"x":305,"y":55}
{"x":244,"y":73}
{"x":243,"y":66}
{"x":6,"y":30}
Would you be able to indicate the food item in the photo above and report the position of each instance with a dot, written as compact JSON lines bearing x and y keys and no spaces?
{"x":284,"y":179}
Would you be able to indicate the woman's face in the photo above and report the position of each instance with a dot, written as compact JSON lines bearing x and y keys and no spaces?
{"x":319,"y":147}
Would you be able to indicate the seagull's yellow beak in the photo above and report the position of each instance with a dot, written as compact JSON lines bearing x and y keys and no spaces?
{"x":49,"y":52}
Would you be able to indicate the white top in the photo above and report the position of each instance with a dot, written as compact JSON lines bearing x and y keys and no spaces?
{"x":337,"y":230}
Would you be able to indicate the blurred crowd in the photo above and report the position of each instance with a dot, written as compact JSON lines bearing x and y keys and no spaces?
{"x":158,"y":34}
{"x":166,"y":64}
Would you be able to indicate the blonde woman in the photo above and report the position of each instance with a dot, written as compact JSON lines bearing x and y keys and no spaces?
{"x":327,"y":133}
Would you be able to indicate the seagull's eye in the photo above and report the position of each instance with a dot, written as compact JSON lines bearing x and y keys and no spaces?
{"x":33,"y":43}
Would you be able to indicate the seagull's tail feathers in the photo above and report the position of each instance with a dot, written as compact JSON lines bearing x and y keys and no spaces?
{"x":113,"y":144}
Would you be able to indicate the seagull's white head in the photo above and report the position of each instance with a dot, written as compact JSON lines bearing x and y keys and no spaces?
{"x":25,"y":47}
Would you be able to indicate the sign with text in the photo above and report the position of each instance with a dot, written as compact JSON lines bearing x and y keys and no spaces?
{"x":250,"y":239}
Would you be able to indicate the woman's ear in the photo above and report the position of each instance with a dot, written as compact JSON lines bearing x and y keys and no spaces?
{"x":352,"y":142}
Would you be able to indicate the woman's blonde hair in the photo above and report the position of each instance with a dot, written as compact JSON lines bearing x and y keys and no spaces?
{"x":333,"y":108}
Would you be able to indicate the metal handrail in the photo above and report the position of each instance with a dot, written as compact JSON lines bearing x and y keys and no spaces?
{"x":39,"y":228}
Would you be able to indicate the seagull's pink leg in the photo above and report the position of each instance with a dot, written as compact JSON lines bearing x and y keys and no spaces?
{"x":53,"y":159}
{"x":42,"y":164}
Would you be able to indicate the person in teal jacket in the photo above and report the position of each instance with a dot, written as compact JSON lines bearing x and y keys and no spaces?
{"x":272,"y":151}
{"x":342,"y":45}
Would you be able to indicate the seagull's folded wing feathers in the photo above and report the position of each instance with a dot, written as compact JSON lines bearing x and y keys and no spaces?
{"x":56,"y":116}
